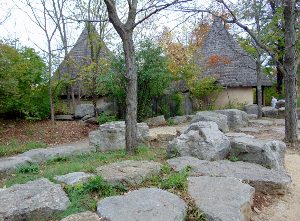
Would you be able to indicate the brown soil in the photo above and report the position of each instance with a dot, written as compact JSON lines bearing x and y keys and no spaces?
{"x":47,"y":132}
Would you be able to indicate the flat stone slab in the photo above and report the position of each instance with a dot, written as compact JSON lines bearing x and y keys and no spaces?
{"x":35,"y":200}
{"x":64,"y":117}
{"x":143,"y":205}
{"x":129,"y":171}
{"x":10,"y":164}
{"x":84,"y":216}
{"x":74,"y":178}
{"x":43,"y":154}
{"x":222,"y":198}
{"x":165,"y":133}
{"x":262,"y":179}
{"x":261,"y":122}
{"x":232,"y":135}
{"x":249,"y":130}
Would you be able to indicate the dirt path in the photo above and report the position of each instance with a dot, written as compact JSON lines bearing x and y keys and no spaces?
{"x":286,"y":208}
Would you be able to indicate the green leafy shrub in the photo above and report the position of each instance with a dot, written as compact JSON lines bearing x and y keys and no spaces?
{"x":24,"y":86}
{"x":153,"y":78}
{"x":29,"y":168}
{"x":205,"y":92}
{"x":105,"y":118}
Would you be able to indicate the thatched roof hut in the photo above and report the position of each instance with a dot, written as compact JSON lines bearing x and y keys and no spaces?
{"x":79,"y":58}
{"x":223,"y":58}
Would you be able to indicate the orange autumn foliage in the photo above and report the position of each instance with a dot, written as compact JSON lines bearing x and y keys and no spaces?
{"x":215,"y":60}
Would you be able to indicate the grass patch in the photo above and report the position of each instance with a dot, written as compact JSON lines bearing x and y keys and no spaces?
{"x":14,"y":147}
{"x":84,"y":162}
{"x":84,"y":197}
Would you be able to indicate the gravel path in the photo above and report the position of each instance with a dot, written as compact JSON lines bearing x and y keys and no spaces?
{"x":286,"y":208}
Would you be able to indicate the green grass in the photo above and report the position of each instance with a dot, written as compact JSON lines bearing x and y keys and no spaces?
{"x":14,"y":147}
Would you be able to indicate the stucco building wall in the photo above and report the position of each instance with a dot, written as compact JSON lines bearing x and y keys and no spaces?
{"x":235,"y":95}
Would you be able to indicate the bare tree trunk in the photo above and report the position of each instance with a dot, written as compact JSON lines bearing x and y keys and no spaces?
{"x":290,"y":66}
{"x":131,"y":94}
{"x":258,"y":87}
{"x":50,"y":77}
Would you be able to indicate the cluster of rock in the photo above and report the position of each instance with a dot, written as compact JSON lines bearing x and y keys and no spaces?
{"x":277,"y":112}
{"x":205,"y":148}
{"x":222,"y":189}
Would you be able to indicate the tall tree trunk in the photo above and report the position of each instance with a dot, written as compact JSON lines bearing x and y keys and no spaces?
{"x":290,"y":67}
{"x":50,"y":84}
{"x":259,"y":88}
{"x":131,"y":94}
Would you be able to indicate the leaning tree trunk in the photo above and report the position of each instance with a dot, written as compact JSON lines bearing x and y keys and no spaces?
{"x":258,"y":87}
{"x":131,"y":94}
{"x":290,"y":67}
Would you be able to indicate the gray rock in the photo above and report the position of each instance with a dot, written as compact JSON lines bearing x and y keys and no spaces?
{"x":219,"y":119}
{"x":179,"y":119}
{"x":10,"y":164}
{"x":82,"y":110}
{"x":268,"y":153}
{"x":64,"y":117}
{"x":86,"y":117}
{"x":252,"y":116}
{"x":202,"y":140}
{"x":261,"y":122}
{"x":43,"y":154}
{"x":84,"y":216}
{"x":280,"y":103}
{"x":232,"y":135}
{"x":262,"y":179}
{"x":269,"y":112}
{"x":222,"y":198}
{"x":74,"y":178}
{"x":92,"y":120}
{"x":143,"y":205}
{"x":35,"y":200}
{"x":236,"y":118}
{"x":129,"y":171}
{"x":251,"y":109}
{"x":249,"y":130}
{"x":111,"y":136}
{"x":156,"y":121}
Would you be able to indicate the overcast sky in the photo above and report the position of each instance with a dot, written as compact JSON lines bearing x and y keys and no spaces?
{"x":20,"y":26}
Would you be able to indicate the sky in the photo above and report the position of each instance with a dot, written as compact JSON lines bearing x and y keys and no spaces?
{"x":20,"y":26}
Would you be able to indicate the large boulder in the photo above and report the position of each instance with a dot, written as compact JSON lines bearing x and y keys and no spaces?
{"x":129,"y":171}
{"x":156,"y":121}
{"x":236,"y":118}
{"x":269,"y":112}
{"x":280,"y":104}
{"x":35,"y":200}
{"x":251,"y":109}
{"x":111,"y":136}
{"x":268,"y":153}
{"x":143,"y":205}
{"x":84,"y":216}
{"x":82,"y":110}
{"x":219,"y":119}
{"x":74,"y":178}
{"x":202,"y":140}
{"x":262,"y":179}
{"x":222,"y":198}
{"x":261,"y":122}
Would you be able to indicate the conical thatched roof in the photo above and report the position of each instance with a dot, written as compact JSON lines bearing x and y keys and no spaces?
{"x":79,"y":58}
{"x":221,"y":56}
